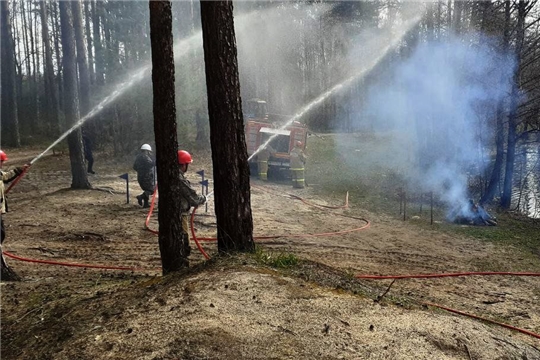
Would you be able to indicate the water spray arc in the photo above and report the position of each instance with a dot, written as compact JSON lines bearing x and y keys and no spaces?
{"x":121,"y":88}
{"x":408,"y":25}
{"x":181,"y":49}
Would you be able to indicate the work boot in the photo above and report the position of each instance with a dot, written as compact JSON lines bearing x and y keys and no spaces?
{"x":140,"y":200}
{"x":145,"y":199}
{"x":146,"y":205}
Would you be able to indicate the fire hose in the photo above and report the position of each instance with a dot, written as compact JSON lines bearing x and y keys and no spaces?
{"x":373,"y":277}
{"x":267,"y":237}
{"x":17,"y":179}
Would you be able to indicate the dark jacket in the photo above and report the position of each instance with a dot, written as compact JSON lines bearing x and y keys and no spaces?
{"x":144,"y":166}
{"x":189,"y":196}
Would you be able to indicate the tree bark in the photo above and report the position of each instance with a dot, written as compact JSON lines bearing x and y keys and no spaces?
{"x":458,"y":7}
{"x":7,"y":273}
{"x":56,"y":36}
{"x":499,"y":140}
{"x":10,"y":121}
{"x":173,"y":246}
{"x":98,"y":49}
{"x":71,"y":102}
{"x":35,"y":122}
{"x":89,"y":41}
{"x":506,"y":198}
{"x":26,"y":42}
{"x":449,"y":15}
{"x":50,"y":85}
{"x":229,"y":153}
{"x":84,"y":76}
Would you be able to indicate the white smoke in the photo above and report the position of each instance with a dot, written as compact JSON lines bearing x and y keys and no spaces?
{"x":439,"y":106}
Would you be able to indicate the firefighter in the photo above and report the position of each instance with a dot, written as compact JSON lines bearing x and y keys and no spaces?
{"x":88,"y":156}
{"x":7,"y":176}
{"x":262,"y":160}
{"x":188,"y":196}
{"x":144,"y":166}
{"x":298,"y":160}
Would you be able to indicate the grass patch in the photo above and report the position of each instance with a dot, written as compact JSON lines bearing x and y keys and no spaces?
{"x":279,"y":260}
{"x":336,"y":166}
{"x":512,"y":230}
{"x":357,"y":163}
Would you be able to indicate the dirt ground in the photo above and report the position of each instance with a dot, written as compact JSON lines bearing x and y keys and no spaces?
{"x":241,"y":309}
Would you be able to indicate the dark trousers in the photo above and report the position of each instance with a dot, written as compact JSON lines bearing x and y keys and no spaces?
{"x":3,"y":232}
{"x":90,"y":159}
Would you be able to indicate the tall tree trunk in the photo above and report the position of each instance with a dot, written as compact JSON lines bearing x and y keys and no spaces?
{"x":506,"y":198}
{"x":35,"y":121}
{"x":56,"y":36}
{"x":173,"y":246}
{"x":458,"y":7}
{"x":10,"y":121}
{"x":439,"y":15}
{"x":98,"y":53}
{"x":90,"y":48}
{"x":499,"y":140}
{"x":71,"y":103}
{"x":26,"y":42}
{"x":229,"y":153}
{"x":32,"y":77}
{"x":84,"y":76}
{"x":50,"y":86}
{"x":430,"y":21}
{"x":449,"y":15}
{"x":19,"y":60}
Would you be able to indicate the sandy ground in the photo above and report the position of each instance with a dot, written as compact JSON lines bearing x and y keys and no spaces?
{"x":243,"y":312}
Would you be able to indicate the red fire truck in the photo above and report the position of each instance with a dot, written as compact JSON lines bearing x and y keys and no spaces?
{"x":260,"y":127}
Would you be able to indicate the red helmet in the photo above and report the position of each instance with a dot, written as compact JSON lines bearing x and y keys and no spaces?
{"x":299,"y":144}
{"x":184,"y":157}
{"x":3,"y":156}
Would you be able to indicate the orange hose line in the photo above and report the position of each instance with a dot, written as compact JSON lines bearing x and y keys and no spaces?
{"x":90,"y":266}
{"x":424,"y":276}
{"x":152,"y":204}
{"x":194,"y":237}
{"x":268,"y":237}
{"x":527,"y":332}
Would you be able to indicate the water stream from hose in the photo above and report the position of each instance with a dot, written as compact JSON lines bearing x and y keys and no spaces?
{"x":359,"y":73}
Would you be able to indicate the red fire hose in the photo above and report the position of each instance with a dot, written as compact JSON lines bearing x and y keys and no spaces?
{"x":527,"y":332}
{"x":17,"y":179}
{"x":374,"y":277}
{"x":267,"y":237}
{"x":90,"y":266}
{"x":425,"y":276}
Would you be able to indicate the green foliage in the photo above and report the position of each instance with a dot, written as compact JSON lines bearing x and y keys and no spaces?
{"x":512,"y":230}
{"x":278,"y":260}
{"x":334,"y":170}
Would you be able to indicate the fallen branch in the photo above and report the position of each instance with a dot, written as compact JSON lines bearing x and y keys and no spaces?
{"x":468,"y":352}
{"x":379,"y":298}
{"x":28,"y":313}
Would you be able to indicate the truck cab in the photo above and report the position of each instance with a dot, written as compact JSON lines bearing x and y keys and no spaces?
{"x":282,"y":135}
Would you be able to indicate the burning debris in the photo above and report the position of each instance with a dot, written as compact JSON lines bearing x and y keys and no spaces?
{"x":471,"y":214}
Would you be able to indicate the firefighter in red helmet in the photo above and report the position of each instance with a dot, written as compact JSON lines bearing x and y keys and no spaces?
{"x":189,"y":197}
